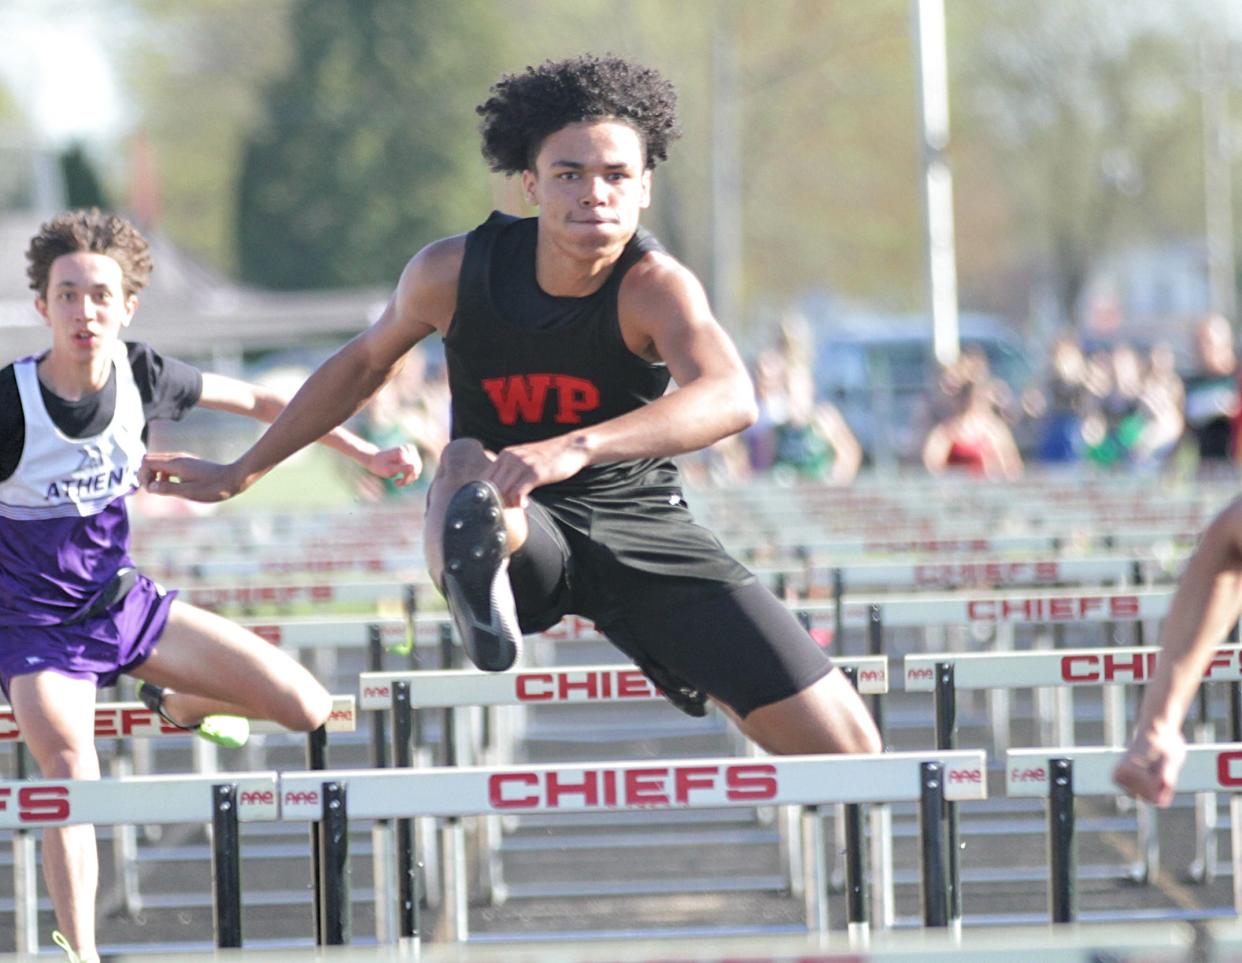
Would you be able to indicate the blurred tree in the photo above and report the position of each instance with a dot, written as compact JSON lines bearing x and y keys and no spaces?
{"x":193,"y":69}
{"x":369,"y":147}
{"x":82,"y":184}
{"x":1084,"y":116}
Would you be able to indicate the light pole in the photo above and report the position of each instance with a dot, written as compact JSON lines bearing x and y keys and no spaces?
{"x":932,"y":77}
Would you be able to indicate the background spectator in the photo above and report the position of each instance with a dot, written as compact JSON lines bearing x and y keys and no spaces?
{"x":974,"y":438}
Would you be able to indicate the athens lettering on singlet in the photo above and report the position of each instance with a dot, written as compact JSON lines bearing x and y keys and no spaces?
{"x":63,"y":524}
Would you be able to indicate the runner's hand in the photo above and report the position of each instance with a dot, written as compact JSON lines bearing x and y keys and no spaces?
{"x":400,"y":464}
{"x":522,"y":468}
{"x":1151,"y":765}
{"x":186,"y":476}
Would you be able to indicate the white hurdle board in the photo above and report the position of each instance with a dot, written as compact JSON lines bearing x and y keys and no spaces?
{"x":1004,"y":608}
{"x":645,"y":785}
{"x":561,"y":686}
{"x":134,"y":800}
{"x":122,"y":720}
{"x":955,"y":573}
{"x":294,"y":593}
{"x":1057,"y":667}
{"x":965,"y":608}
{"x":1209,"y":767}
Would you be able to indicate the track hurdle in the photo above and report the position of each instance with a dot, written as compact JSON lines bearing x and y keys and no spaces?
{"x":593,"y":684}
{"x":1063,"y":774}
{"x":125,"y":721}
{"x":946,"y":673}
{"x":221,"y":800}
{"x":926,"y":778}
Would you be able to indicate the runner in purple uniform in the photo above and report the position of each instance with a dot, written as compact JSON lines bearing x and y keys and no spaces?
{"x":74,"y":612}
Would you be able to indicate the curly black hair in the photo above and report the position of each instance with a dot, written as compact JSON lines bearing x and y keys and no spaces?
{"x":95,"y":232}
{"x":526,"y":108}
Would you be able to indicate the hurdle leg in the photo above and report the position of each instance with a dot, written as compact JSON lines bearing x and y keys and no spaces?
{"x":997,"y":700}
{"x":226,"y":866}
{"x":316,"y":759}
{"x":883,"y":895}
{"x":1203,"y":868}
{"x":1062,"y":864}
{"x":383,"y":843}
{"x":791,"y":850}
{"x":454,"y":920}
{"x":855,"y":876}
{"x":1144,"y":869}
{"x":815,"y":867}
{"x":125,"y":847}
{"x":335,"y":911}
{"x":407,"y":844}
{"x":1062,"y":700}
{"x":1044,"y":700}
{"x":836,"y":869}
{"x":946,"y":738}
{"x":935,"y":868}
{"x":1235,"y":838}
{"x":25,"y":875}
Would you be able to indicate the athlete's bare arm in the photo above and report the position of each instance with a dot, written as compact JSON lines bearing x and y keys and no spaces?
{"x":1206,"y":605}
{"x":665,"y":316}
{"x":423,"y":302}
{"x":400,"y":463}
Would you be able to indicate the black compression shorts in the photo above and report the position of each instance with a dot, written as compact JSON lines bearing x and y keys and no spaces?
{"x":664,"y":591}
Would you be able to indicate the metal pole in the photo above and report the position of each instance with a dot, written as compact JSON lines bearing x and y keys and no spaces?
{"x":334,"y":867}
{"x":1063,"y":886}
{"x":382,"y":878}
{"x":838,"y":609}
{"x":317,"y":761}
{"x":931,"y":839}
{"x":726,"y":169}
{"x":25,"y":874}
{"x":875,"y":645}
{"x":407,"y":854}
{"x":815,"y":864}
{"x":855,"y":873}
{"x":452,"y":843}
{"x":885,"y":901}
{"x":946,"y":738}
{"x":927,"y":21}
{"x":1217,"y":174}
{"x":226,"y":866}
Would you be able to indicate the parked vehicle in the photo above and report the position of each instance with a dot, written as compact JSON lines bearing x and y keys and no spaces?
{"x":880,"y":371}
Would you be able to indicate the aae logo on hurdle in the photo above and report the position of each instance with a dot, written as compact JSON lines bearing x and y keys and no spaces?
{"x":1061,"y":667}
{"x":1208,"y":767}
{"x":140,"y":799}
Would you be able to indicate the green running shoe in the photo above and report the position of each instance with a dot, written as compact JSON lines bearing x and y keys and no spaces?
{"x":231,"y":732}
{"x":71,"y":955}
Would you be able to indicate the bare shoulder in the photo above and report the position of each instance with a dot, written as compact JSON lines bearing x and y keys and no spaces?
{"x":660,"y":286}
{"x":426,"y":294}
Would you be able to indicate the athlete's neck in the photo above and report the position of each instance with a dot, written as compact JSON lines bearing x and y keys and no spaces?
{"x":71,"y":379}
{"x":566,"y":272}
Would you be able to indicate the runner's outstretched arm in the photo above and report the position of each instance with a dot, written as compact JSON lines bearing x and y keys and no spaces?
{"x":423,"y":302}
{"x":1206,"y":605}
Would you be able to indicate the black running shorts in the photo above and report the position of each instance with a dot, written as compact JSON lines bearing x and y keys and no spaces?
{"x":664,"y":591}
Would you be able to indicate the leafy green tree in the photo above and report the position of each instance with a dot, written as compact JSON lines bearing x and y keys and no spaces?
{"x":193,"y":71}
{"x":1080,"y":124}
{"x":82,"y":184}
{"x":369,"y":147}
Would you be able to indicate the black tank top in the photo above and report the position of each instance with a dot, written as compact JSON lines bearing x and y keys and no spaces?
{"x":527,"y":366}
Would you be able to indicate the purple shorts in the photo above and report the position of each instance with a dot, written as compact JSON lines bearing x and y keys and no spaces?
{"x":101,"y":647}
